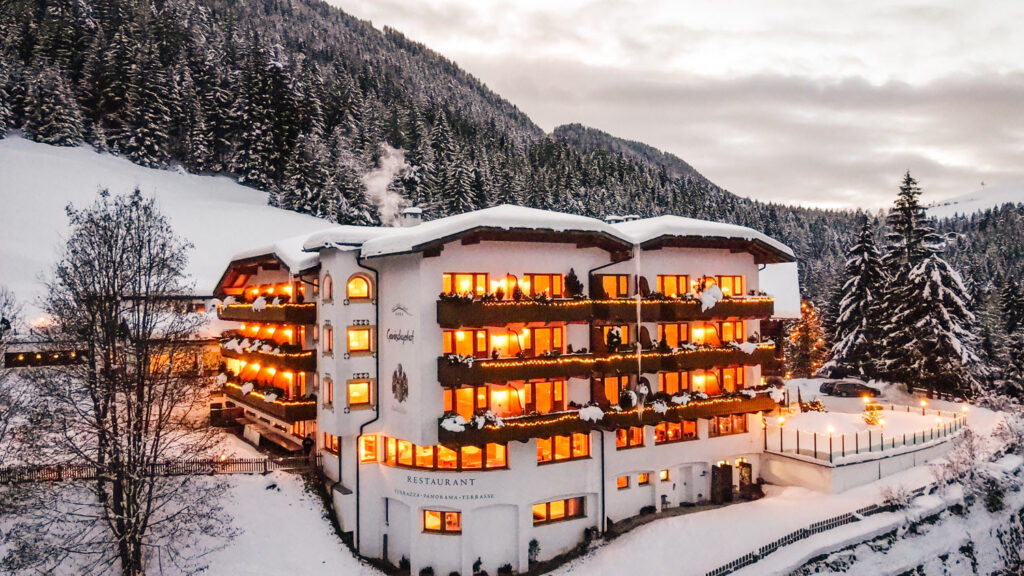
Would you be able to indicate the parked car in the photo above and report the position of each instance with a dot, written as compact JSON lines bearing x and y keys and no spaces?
{"x":827,"y":386}
{"x":853,"y":388}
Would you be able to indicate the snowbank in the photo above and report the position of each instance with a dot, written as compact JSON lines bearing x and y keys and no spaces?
{"x":218,"y":215}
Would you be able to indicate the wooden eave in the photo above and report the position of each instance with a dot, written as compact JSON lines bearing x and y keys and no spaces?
{"x":763,"y":252}
{"x":250,"y":265}
{"x":617,"y":247}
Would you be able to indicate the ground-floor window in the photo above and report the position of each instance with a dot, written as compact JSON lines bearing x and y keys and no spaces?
{"x":561,"y":448}
{"x":725,"y":425}
{"x":368,"y":448}
{"x":643,"y":479}
{"x":629,"y":438}
{"x":442,"y":522}
{"x":664,"y":476}
{"x":405,"y":454}
{"x":331,"y":443}
{"x":622,"y":482}
{"x":556,"y":510}
{"x":668,"y":432}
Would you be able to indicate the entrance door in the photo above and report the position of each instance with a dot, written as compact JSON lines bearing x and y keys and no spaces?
{"x":721,"y":484}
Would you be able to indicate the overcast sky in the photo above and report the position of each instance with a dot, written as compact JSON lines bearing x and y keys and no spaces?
{"x":810,"y":102}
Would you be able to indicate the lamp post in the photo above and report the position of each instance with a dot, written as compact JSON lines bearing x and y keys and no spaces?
{"x":830,"y":431}
{"x":782,"y":421}
{"x":924,"y":403}
{"x":881,"y":435}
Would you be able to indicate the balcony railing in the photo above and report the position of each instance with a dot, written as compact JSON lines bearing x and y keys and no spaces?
{"x":457,"y":313}
{"x":523,"y":428}
{"x":304,"y":313}
{"x":304,"y":361}
{"x":453,"y":373}
{"x":290,"y":411}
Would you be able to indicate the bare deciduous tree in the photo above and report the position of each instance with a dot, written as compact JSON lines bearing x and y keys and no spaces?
{"x":137,"y":399}
{"x":13,"y":391}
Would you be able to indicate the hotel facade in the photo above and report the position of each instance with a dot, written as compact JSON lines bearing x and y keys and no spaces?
{"x":491,"y":388}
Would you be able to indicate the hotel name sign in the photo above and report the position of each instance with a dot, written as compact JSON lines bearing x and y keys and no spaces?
{"x":435,"y":488}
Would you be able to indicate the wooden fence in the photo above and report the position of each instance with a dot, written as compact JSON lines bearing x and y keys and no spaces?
{"x":60,"y":472}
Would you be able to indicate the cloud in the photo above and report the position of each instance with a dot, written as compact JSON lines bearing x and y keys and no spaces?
{"x":809,"y":102}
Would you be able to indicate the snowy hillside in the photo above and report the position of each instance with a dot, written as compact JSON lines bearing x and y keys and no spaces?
{"x":219,"y":216}
{"x":977,"y":201}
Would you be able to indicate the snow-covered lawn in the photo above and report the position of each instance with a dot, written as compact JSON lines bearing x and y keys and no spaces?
{"x":283,"y":532}
{"x":896,"y":422}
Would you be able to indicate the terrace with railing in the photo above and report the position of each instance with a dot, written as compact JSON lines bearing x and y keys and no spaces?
{"x":453,"y":371}
{"x":282,"y":357}
{"x":453,"y":430}
{"x":270,"y":402}
{"x":287,"y":313}
{"x":456,"y":311}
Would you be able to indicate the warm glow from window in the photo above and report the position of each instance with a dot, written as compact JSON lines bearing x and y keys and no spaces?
{"x":464,"y":283}
{"x":674,"y":285}
{"x":643,"y":479}
{"x":442,"y":522}
{"x":358,"y":287}
{"x":331,"y":443}
{"x":674,"y":334}
{"x":731,"y":285}
{"x":368,"y":448}
{"x":663,"y":476}
{"x":328,"y":385}
{"x":629,"y":438}
{"x":358,"y":339}
{"x":328,"y":339}
{"x":555,"y":510}
{"x":359,"y":393}
{"x":615,"y":285}
{"x":622,"y":482}
{"x":549,"y":284}
{"x":465,"y":342}
{"x":562,"y":448}
{"x":328,"y":288}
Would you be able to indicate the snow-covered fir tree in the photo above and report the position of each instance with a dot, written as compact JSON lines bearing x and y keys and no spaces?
{"x":309,"y":183}
{"x":805,"y":347}
{"x":858,"y":320}
{"x":53,"y":113}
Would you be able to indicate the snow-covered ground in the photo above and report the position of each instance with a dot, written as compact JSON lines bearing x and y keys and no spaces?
{"x":988,"y":197}
{"x":218,"y":215}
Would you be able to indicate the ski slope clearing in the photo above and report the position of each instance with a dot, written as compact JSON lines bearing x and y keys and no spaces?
{"x":977,"y":201}
{"x":216,"y":214}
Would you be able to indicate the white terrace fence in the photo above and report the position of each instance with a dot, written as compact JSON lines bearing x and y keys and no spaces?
{"x":835,"y":447}
{"x":57,"y":473}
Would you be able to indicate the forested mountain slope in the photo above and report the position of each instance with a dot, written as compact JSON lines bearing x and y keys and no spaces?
{"x":298,"y":98}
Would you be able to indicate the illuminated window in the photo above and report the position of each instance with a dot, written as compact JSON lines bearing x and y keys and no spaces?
{"x":731,"y":285}
{"x":554,"y":511}
{"x":622,"y":482}
{"x":643,"y":479}
{"x":330,"y":443}
{"x":472,"y":458}
{"x":732,"y":378}
{"x":328,"y":288}
{"x":405,"y":454}
{"x":668,"y":432}
{"x":464,"y":283}
{"x":424,"y":456}
{"x":368,"y":448}
{"x":359,"y":392}
{"x":465,"y":342}
{"x":358,"y":288}
{"x":563,"y":448}
{"x":534,"y":284}
{"x":545,"y":397}
{"x":725,"y":425}
{"x":623,"y":331}
{"x":328,"y":339}
{"x":359,"y":339}
{"x":674,"y":285}
{"x":615,"y":285}
{"x":731,"y":331}
{"x":495,"y":456}
{"x":674,"y":334}
{"x":328,"y":386}
{"x":442,"y":522}
{"x":664,"y":476}
{"x":537,"y":341}
{"x":706,"y":382}
{"x":613,"y":385}
{"x":673,"y":382}
{"x":632,"y":437}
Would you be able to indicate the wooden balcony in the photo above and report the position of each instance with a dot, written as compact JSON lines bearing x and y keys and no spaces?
{"x":281,"y":314}
{"x":523,"y":428}
{"x":453,"y":374}
{"x":304,"y":361}
{"x":290,"y":411}
{"x":456,"y":314}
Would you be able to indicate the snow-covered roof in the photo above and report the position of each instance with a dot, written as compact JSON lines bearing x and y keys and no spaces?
{"x":648,"y":229}
{"x":289,"y":251}
{"x":351,"y":236}
{"x":782,"y":283}
{"x":504,"y":217}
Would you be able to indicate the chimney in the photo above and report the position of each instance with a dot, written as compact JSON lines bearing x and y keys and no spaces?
{"x":630,"y":217}
{"x":412,"y":216}
{"x":613,"y":219}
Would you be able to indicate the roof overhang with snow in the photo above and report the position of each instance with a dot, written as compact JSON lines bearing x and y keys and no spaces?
{"x":676,"y":231}
{"x":500,"y":223}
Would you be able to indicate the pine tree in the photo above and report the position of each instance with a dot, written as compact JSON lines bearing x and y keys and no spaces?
{"x":805,"y":347}
{"x":146,"y":140}
{"x":858,"y":322}
{"x":53,"y":113}
{"x":935,"y":344}
{"x":353,"y":207}
{"x":308,"y":182}
{"x":1012,"y":306}
{"x":6,"y":114}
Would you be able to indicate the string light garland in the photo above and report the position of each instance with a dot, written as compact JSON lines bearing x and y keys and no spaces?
{"x":261,"y":396}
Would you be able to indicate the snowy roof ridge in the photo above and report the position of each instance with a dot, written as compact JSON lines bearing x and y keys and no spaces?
{"x":504,"y":216}
{"x":350,"y":236}
{"x":644,"y":230}
{"x":288,"y":250}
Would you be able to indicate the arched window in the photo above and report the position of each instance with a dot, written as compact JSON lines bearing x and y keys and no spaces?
{"x":328,"y":288}
{"x":358,"y":288}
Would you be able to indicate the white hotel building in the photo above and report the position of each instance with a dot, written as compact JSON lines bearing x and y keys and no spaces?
{"x":470,"y":395}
